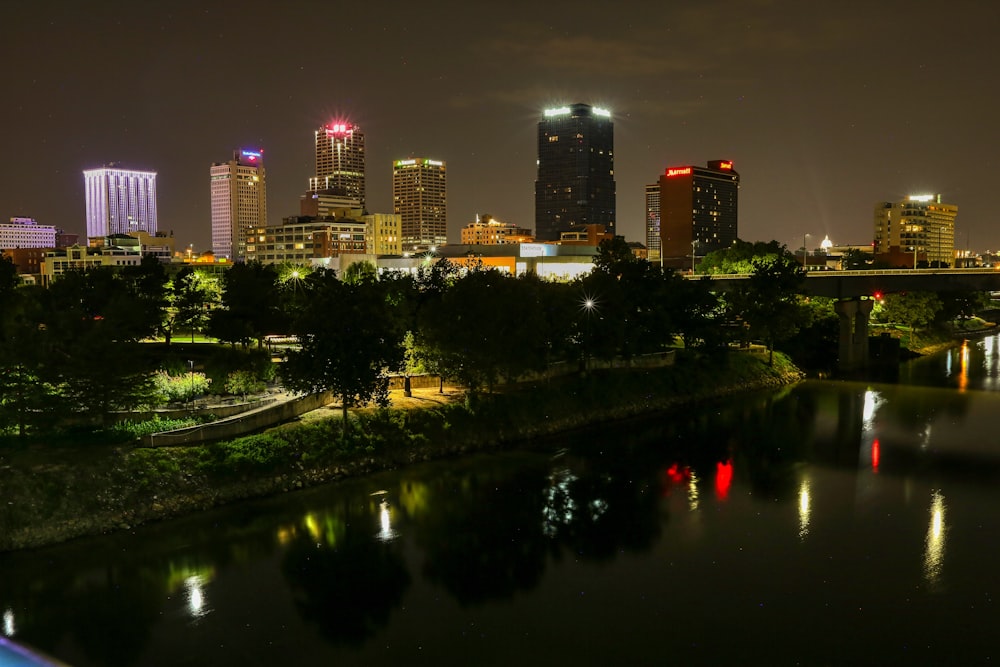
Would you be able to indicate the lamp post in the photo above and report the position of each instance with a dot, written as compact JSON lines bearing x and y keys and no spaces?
{"x":588,"y":304}
{"x":191,"y":375}
{"x":694,"y":243}
{"x":805,"y":251}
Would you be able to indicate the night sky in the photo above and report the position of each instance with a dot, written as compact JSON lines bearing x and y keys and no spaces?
{"x":823,"y":111}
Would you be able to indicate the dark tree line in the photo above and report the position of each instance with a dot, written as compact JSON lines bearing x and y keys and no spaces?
{"x":77,"y":346}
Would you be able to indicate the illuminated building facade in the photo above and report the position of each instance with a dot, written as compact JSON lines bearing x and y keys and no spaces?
{"x":26,"y":233}
{"x":119,"y":201}
{"x":79,"y":258}
{"x":383,"y":233}
{"x":239,"y":202}
{"x":921,"y":226}
{"x":340,"y":161}
{"x":698,"y":211}
{"x":576,"y":171}
{"x":301,"y":239}
{"x":420,"y":199}
{"x":653,"y":221}
{"x":487,"y":231}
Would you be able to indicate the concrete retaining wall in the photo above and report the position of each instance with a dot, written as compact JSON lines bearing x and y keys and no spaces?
{"x":247,"y":422}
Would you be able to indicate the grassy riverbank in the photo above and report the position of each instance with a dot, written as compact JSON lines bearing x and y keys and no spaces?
{"x":55,"y":494}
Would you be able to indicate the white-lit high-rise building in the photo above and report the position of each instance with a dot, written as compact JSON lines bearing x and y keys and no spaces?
{"x":921,"y":225}
{"x":420,"y":198}
{"x":119,"y":201}
{"x":239,"y":202}
{"x":340,"y":161}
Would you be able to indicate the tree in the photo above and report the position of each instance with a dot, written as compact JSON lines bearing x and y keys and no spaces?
{"x":483,"y":329}
{"x":855,"y":260}
{"x":362,"y":271}
{"x":191,"y":296}
{"x":740,"y":257}
{"x":910,"y":309}
{"x":350,"y":341}
{"x":22,"y":393}
{"x":90,"y":341}
{"x":614,"y":256}
{"x":768,"y":303}
{"x":697,"y":312}
{"x":251,"y":305}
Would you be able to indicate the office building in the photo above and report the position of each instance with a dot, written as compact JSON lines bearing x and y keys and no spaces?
{"x":488,"y":231}
{"x":420,"y":199}
{"x":653,"y":221}
{"x":119,"y":201}
{"x":340,"y":161}
{"x":383,"y":234}
{"x":920,"y":226}
{"x":698,"y":211}
{"x":303,"y":239}
{"x":576,"y":171}
{"x":81,"y":258}
{"x":239,"y":202}
{"x":26,"y":233}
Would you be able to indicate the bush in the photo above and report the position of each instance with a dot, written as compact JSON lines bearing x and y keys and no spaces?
{"x":135,"y":430}
{"x":180,"y":388}
{"x":243,"y":383}
{"x":225,"y":361}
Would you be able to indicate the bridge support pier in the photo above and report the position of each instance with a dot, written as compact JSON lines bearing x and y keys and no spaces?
{"x":853,"y":315}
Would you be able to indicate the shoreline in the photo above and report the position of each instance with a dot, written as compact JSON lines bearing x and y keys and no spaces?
{"x":119,"y":488}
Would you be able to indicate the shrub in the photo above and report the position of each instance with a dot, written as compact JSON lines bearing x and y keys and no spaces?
{"x":180,"y":388}
{"x":135,"y":430}
{"x":243,"y":383}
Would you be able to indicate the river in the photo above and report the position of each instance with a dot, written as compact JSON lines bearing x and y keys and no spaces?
{"x":831,"y":523}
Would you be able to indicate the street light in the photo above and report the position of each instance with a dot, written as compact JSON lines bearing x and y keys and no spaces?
{"x":694,"y":243}
{"x":804,"y":250}
{"x":587,"y":305}
{"x":191,"y":371}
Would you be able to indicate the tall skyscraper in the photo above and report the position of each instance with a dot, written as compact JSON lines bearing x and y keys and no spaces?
{"x":576,"y":171}
{"x":698,"y":211}
{"x":119,"y":201}
{"x":420,"y":198}
{"x":239,"y":202}
{"x":653,"y":222}
{"x":340,"y":161}
{"x":919,"y":225}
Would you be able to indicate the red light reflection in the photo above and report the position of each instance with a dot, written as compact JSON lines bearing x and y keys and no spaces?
{"x":876,"y":455}
{"x":723,"y":478}
{"x":675,"y":475}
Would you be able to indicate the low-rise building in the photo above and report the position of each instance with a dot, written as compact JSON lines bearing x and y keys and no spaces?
{"x":22,"y":232}
{"x":489,"y":231}
{"x":79,"y":257}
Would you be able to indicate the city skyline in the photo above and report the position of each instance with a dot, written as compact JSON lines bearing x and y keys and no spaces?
{"x":824,"y":111}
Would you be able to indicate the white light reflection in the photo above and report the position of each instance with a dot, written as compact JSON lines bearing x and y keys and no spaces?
{"x":559,"y":507}
{"x":805,"y":509}
{"x":693,"y":491}
{"x":195,"y":586}
{"x":8,"y":623}
{"x":934,"y":543}
{"x":386,"y":533}
{"x":990,"y":362}
{"x":872,"y":401}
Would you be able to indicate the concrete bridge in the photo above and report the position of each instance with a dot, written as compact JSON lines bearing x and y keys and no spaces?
{"x":855,"y":290}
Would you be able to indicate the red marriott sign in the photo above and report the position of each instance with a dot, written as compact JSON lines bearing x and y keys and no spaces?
{"x":678,"y":171}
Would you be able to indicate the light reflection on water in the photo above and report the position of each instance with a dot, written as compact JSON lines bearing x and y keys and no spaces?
{"x":934,"y":543}
{"x":815,"y":512}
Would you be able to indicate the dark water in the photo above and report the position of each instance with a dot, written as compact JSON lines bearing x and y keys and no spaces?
{"x":832,"y":523}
